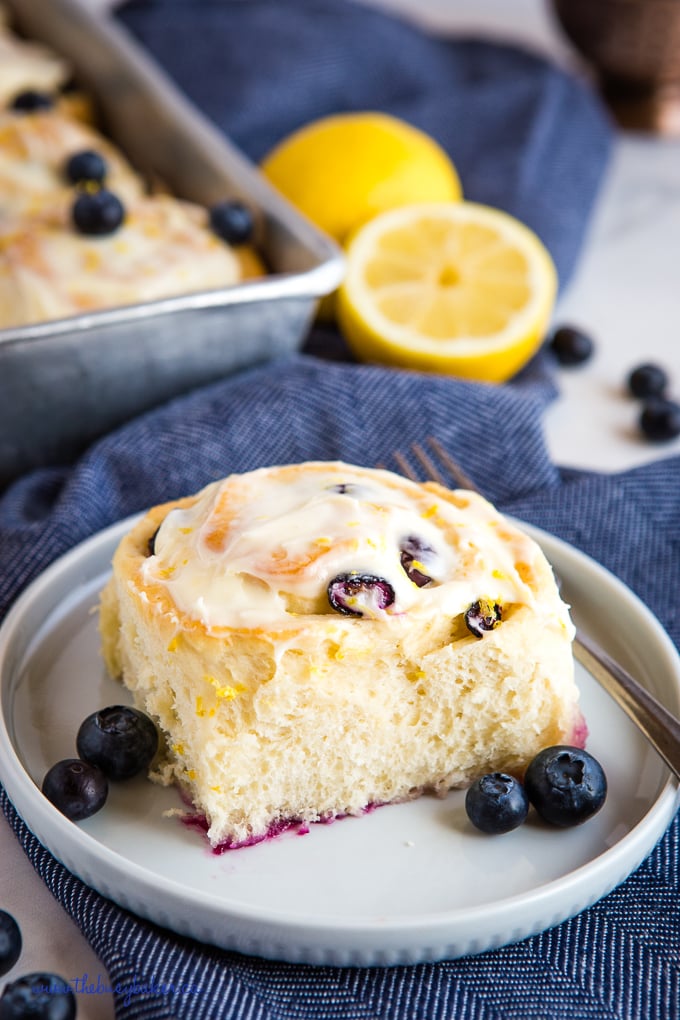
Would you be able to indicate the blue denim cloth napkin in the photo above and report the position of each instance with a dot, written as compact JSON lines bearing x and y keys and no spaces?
{"x":617,"y":960}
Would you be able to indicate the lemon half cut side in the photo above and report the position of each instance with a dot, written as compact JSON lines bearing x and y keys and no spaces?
{"x":451,"y":287}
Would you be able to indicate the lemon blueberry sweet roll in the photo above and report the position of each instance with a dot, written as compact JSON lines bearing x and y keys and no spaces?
{"x":314,"y":639}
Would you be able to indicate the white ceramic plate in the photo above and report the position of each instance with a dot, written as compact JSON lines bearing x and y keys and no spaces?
{"x":404,"y":884}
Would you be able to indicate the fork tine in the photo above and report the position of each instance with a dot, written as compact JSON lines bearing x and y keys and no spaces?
{"x":456,"y":471}
{"x":405,"y":467}
{"x":431,"y":469}
{"x":428,"y":465}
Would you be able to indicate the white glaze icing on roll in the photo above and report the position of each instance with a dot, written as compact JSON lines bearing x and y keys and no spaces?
{"x":255,"y":548}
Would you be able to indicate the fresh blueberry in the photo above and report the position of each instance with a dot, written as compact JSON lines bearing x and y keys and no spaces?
{"x":38,"y":996}
{"x":648,"y":380}
{"x":97,"y":212}
{"x":566,"y":785}
{"x":10,"y":942}
{"x":77,"y":788}
{"x":482,"y":616}
{"x":30,"y":101}
{"x":355,"y":594}
{"x":413,"y":551}
{"x":120,"y":741}
{"x":232,"y":221}
{"x":86,"y":166}
{"x":496,"y":803}
{"x":571,"y":346}
{"x":660,"y":420}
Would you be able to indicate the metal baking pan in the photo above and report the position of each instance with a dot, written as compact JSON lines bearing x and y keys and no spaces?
{"x":65,"y":382}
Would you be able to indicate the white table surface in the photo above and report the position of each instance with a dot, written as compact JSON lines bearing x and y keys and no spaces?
{"x":625,"y":293}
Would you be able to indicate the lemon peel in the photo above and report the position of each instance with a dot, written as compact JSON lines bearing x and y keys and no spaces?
{"x":341,"y":171}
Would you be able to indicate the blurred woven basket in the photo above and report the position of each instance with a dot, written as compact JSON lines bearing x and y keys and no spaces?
{"x":634,"y":46}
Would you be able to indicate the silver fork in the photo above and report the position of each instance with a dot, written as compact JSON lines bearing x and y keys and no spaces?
{"x":660,"y":727}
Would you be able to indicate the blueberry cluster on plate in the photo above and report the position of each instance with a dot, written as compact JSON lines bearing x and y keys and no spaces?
{"x":114,"y":744}
{"x":565,"y":785}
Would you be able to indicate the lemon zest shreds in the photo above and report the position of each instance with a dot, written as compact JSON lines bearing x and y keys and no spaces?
{"x":226,"y":691}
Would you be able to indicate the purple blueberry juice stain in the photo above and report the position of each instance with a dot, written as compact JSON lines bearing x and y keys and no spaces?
{"x":579,"y":734}
{"x":198,"y":822}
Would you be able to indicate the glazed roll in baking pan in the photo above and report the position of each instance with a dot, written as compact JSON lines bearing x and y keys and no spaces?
{"x":162,"y":248}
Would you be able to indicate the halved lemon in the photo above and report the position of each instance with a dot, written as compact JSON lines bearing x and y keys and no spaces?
{"x":450,"y":287}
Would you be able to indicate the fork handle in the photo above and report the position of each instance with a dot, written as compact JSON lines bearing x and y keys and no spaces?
{"x":660,"y":726}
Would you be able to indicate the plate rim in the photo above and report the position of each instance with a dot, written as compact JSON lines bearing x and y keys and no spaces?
{"x":65,"y":840}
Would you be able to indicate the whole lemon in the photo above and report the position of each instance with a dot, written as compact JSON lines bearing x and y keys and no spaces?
{"x":342,"y":170}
